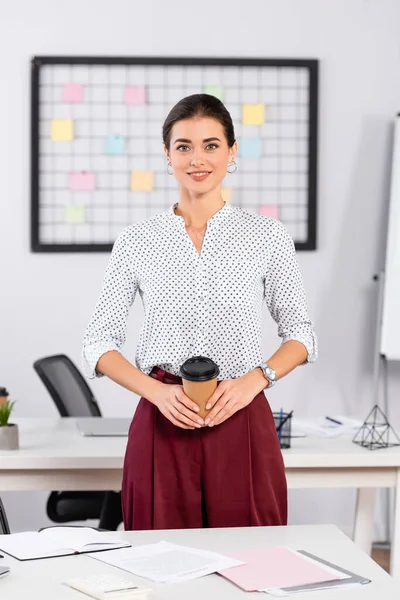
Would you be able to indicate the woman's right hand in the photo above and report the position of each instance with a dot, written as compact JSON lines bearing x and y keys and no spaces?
{"x":173,"y":403}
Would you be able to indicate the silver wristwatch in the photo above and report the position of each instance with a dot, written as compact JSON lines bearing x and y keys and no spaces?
{"x":269,"y":374}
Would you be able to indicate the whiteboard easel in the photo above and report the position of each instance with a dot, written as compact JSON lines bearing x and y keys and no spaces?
{"x":390,"y":332}
{"x":387,"y":337}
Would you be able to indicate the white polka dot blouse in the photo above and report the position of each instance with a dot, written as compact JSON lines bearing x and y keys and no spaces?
{"x":208,"y":304}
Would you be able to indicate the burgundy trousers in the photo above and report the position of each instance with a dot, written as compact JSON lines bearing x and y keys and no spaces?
{"x":229,"y":475}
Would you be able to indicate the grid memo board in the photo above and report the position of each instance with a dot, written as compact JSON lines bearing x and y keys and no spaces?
{"x":97,"y":162}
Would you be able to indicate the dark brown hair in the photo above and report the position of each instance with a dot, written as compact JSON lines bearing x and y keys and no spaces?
{"x":199,"y":105}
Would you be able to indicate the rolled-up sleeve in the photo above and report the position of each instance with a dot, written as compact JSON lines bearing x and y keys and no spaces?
{"x":107,"y":327}
{"x":285,"y":296}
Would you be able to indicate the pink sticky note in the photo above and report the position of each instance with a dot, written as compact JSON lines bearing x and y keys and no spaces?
{"x":72,"y":92}
{"x":135,"y":94}
{"x":81,"y":181}
{"x":274,"y":568}
{"x":269,"y":211}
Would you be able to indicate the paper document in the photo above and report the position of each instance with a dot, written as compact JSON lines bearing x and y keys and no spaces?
{"x":167,"y":563}
{"x":322,"y":427}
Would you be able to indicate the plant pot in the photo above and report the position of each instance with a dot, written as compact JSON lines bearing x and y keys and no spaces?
{"x":9,"y":437}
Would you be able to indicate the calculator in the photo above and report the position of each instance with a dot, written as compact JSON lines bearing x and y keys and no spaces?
{"x":111,"y":587}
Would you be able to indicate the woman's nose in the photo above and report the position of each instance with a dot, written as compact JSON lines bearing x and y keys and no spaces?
{"x":197,"y":159}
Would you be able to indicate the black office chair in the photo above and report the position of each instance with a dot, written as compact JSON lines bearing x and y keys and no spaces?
{"x":4,"y":527}
{"x":73,"y":398}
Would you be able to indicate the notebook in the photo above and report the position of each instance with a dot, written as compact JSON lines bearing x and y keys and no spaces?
{"x":58,"y":541}
{"x":278,"y":567}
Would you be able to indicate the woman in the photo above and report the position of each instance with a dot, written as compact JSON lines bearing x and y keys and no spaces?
{"x":202,"y":269}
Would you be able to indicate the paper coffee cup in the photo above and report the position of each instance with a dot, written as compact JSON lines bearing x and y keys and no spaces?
{"x":199,"y":379}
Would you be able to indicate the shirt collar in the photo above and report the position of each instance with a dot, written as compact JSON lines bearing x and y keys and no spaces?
{"x":218,"y":218}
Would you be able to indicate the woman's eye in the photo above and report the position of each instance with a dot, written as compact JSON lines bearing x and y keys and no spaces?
{"x":211,"y":147}
{"x":183,"y":148}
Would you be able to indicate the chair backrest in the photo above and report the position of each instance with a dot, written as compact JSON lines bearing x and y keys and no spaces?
{"x":69,"y":390}
{"x":4,"y":528}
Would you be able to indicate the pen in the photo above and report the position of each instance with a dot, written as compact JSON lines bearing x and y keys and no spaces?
{"x":278,"y":429}
{"x":334,"y":421}
{"x":282,"y":422}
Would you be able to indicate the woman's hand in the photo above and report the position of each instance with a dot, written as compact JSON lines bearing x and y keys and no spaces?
{"x":233,"y":394}
{"x":172,"y":402}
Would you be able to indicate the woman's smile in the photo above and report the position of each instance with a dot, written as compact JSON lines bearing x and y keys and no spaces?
{"x":199,"y":175}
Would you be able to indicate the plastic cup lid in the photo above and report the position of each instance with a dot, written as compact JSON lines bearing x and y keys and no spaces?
{"x":199,"y":368}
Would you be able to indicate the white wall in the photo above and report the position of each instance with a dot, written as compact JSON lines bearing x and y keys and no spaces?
{"x":46,"y":300}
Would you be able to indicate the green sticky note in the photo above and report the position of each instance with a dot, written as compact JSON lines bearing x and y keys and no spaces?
{"x":74,"y":214}
{"x":215,"y":90}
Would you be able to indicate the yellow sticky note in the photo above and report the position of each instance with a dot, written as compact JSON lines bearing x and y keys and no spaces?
{"x":142,"y":181}
{"x":253,"y":114}
{"x":226,"y":194}
{"x":62,"y":130}
{"x":74,"y":214}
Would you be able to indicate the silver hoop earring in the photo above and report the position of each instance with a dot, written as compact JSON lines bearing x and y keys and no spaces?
{"x":170,"y":172}
{"x":234,"y":167}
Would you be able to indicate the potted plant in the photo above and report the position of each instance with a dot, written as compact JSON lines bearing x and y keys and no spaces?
{"x":8,"y":431}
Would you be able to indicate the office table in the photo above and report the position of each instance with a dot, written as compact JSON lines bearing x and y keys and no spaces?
{"x":53,"y":455}
{"x":42,"y":579}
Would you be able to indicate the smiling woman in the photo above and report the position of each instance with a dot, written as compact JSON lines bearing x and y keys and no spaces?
{"x":203,"y":270}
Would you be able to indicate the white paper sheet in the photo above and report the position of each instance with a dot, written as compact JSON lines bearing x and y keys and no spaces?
{"x":167,"y":563}
{"x":322,"y":427}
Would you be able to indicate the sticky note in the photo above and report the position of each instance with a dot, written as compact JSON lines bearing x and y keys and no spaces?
{"x":72,"y":92}
{"x":226,"y":194}
{"x":250,"y":147}
{"x":74,"y":214}
{"x":115,"y":145}
{"x":81,"y":181}
{"x":215,"y":90}
{"x":253,"y":114}
{"x":62,"y":130}
{"x":142,"y":181}
{"x":269,"y":211}
{"x":135,"y":94}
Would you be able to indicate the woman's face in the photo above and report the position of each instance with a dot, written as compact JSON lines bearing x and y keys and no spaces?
{"x":199,"y":153}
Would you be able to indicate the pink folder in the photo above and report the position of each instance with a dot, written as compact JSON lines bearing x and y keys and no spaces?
{"x":274,"y":568}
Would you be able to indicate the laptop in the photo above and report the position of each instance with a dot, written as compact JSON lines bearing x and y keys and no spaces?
{"x":103,"y":426}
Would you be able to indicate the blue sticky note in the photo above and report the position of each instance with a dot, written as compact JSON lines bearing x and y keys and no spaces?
{"x":250,"y":147}
{"x":115,"y":145}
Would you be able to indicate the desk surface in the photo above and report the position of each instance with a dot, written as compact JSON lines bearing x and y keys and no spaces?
{"x":42,"y":579}
{"x":57,"y":444}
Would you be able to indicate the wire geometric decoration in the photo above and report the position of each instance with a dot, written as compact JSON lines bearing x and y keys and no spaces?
{"x":376,"y":432}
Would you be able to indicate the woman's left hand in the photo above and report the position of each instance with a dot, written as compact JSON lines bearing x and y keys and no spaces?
{"x":232,"y":395}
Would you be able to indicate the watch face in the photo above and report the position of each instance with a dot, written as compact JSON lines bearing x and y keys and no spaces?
{"x":270,"y":373}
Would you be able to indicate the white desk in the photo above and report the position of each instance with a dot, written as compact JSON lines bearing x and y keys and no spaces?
{"x":53,"y":455}
{"x":41,"y":579}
